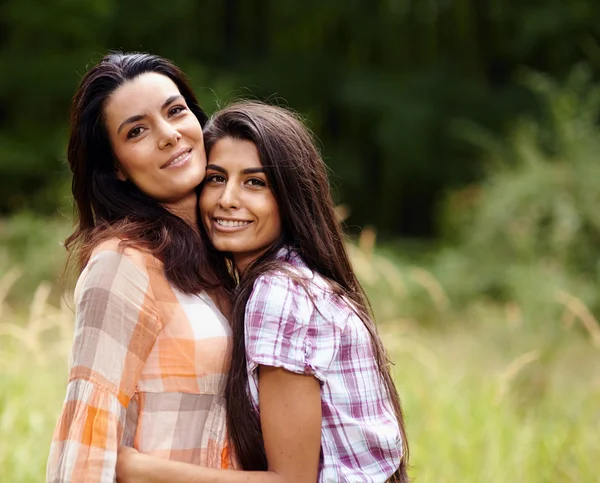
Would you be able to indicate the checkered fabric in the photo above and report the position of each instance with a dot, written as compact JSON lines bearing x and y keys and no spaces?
{"x":148,"y":370}
{"x":306,"y":329}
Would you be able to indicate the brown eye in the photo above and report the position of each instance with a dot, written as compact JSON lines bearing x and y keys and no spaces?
{"x":256,"y":182}
{"x":215,"y":178}
{"x":176,"y":110}
{"x":135,"y":132}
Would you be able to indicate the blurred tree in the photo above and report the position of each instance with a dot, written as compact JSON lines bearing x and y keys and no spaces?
{"x":380,"y":82}
{"x":43,"y":49}
{"x":531,"y":231}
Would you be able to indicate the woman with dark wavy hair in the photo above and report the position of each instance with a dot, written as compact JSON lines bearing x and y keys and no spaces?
{"x":309,"y":395}
{"x":151,"y":349}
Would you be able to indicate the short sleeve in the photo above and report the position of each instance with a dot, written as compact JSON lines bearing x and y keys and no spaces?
{"x":116,"y":326}
{"x":285,"y":328}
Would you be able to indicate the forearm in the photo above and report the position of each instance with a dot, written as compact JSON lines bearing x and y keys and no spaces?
{"x":291,"y":423}
{"x":73,"y":454}
{"x":148,"y":469}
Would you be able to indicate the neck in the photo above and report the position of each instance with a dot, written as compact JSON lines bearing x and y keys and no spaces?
{"x":186,"y":209}
{"x":241,"y":261}
{"x":240,"y":264}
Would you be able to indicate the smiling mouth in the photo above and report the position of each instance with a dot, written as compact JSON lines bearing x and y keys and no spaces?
{"x":179,"y":160}
{"x":231,"y":223}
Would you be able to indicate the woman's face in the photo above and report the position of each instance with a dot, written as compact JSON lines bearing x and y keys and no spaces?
{"x":155,"y":137}
{"x":237,"y":206}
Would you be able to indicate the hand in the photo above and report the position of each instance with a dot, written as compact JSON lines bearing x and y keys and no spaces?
{"x":128,"y":461}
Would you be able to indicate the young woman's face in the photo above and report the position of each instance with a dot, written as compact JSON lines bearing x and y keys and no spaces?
{"x":155,"y":137}
{"x":237,"y":206}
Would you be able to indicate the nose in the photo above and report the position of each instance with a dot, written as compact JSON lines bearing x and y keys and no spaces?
{"x":168,"y":136}
{"x":229,"y":199}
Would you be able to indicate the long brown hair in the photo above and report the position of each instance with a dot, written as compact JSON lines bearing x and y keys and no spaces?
{"x":106,"y":206}
{"x":298,"y":178}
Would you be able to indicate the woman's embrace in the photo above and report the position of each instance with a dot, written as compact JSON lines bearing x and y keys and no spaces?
{"x":221,"y":333}
{"x":309,"y":394}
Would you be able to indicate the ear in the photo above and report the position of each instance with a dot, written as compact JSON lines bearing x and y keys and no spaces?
{"x":120,"y":175}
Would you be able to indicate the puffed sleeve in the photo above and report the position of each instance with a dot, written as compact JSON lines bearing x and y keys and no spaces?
{"x":115,"y":329}
{"x":284,"y":327}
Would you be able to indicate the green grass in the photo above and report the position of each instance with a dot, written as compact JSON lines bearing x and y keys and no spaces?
{"x":487,"y":396}
{"x":477,"y":412}
{"x":30,"y":400}
{"x":466,"y":422}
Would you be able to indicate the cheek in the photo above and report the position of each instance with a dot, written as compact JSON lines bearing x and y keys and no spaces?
{"x":274,"y":220}
{"x":124,"y":164}
{"x":194,"y":129}
{"x":279,"y":229}
{"x":132,"y":159}
{"x":201,"y":170}
{"x":206,"y":202}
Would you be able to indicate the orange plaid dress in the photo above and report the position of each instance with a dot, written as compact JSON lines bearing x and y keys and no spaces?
{"x":148,"y":370}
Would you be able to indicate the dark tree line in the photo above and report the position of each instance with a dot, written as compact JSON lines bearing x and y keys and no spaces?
{"x":381,"y":82}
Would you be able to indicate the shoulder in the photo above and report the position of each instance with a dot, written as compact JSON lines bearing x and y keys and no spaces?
{"x":276,"y":296}
{"x":291,"y":291}
{"x":286,"y":281}
{"x":118,"y":249}
{"x":295,"y":278}
{"x":116,"y":266}
{"x":289,"y":322}
{"x":115,"y":295}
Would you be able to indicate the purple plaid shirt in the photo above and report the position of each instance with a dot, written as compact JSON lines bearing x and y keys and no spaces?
{"x":320,"y":334}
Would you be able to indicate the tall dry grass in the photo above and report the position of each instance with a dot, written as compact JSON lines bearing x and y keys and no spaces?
{"x":487,"y":396}
{"x":34,"y":347}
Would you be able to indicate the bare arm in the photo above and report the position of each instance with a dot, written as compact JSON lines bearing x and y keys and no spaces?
{"x":290,"y":408}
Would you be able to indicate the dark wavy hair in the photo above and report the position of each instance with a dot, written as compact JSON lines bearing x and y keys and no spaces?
{"x":105,"y":206}
{"x":298,"y":177}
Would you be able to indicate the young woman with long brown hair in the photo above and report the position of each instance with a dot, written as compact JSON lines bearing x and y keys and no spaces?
{"x":309,"y":395}
{"x":151,"y":349}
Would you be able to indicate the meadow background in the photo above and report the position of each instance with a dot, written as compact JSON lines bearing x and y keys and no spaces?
{"x":463,"y":140}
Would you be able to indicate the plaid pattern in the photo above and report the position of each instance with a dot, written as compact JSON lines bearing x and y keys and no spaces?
{"x":148,"y":370}
{"x":306,"y":329}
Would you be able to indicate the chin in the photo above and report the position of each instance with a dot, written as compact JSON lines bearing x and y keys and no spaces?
{"x":229,"y":248}
{"x":220,"y":246}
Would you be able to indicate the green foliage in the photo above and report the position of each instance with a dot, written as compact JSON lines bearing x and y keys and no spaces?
{"x":31,"y":251}
{"x":495,"y":384}
{"x":531,"y":231}
{"x":381,"y":82}
{"x":495,"y":401}
{"x":30,"y":400}
{"x":480,"y":411}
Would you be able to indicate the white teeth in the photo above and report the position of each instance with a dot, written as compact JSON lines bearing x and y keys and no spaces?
{"x":231,"y":223}
{"x":179,"y":158}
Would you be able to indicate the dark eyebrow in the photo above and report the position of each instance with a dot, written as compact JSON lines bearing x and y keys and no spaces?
{"x":139,"y":117}
{"x":131,"y":120}
{"x":214,"y":167}
{"x":171,"y":100}
{"x":253,"y":170}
